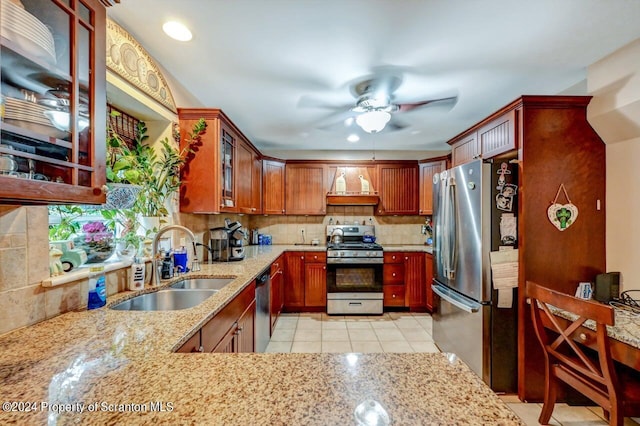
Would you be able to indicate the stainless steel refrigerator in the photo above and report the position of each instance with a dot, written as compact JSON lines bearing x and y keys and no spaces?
{"x":466,"y":320}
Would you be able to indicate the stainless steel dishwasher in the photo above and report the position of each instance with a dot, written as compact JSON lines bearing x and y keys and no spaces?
{"x":263,"y":321}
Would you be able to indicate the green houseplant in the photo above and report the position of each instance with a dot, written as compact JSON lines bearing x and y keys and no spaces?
{"x":160,"y":173}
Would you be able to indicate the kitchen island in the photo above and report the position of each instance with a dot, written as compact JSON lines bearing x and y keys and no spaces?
{"x":118,"y":367}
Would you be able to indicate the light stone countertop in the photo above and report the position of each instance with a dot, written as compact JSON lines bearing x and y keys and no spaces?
{"x":408,"y":248}
{"x":119,"y":357}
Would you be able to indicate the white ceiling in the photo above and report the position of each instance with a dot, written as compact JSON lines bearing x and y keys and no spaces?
{"x":256,"y":60}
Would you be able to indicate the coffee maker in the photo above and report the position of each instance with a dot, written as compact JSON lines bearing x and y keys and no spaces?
{"x":236,"y":241}
{"x":227,"y":242}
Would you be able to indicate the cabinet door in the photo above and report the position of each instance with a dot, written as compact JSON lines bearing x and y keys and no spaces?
{"x":498,"y":136}
{"x":465,"y":149}
{"x":273,"y":187}
{"x":294,"y":281}
{"x":315,"y":292}
{"x":398,"y":189}
{"x":276,"y":291}
{"x":228,"y":343}
{"x":192,"y":345}
{"x":228,"y":167}
{"x":60,"y":157}
{"x":244,"y":179}
{"x":306,"y":189}
{"x":428,"y":279}
{"x":427,"y":170}
{"x":256,"y":184}
{"x":414,"y":280}
{"x":246,"y":330}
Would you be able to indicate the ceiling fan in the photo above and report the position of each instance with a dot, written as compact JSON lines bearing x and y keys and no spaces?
{"x":374,"y":106}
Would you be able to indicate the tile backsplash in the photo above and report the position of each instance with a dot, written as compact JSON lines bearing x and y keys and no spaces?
{"x":24,"y":253}
{"x":24,"y":263}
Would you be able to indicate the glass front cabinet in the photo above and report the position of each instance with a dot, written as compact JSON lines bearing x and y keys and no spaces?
{"x":53,"y":128}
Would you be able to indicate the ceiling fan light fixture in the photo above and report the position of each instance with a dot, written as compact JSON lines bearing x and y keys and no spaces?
{"x":373,"y":121}
{"x":177,"y":31}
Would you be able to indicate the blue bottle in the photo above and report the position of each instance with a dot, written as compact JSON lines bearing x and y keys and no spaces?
{"x":97,"y":287}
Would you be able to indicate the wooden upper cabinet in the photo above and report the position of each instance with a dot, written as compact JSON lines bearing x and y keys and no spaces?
{"x":64,"y":164}
{"x":498,"y":136}
{"x":249,"y":180}
{"x":211,"y":177}
{"x":465,"y":149}
{"x":273,"y":187}
{"x":398,"y":189}
{"x":306,"y":189}
{"x":427,"y":170}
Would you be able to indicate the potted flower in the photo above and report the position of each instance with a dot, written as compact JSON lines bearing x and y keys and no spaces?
{"x":97,"y":240}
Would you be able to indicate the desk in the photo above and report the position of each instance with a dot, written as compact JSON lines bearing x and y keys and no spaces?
{"x":624,"y":337}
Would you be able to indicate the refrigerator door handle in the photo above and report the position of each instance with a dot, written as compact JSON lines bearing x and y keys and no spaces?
{"x":450,"y":219}
{"x":455,"y":299}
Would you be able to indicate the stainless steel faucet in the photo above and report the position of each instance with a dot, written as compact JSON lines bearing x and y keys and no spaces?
{"x":195,"y":263}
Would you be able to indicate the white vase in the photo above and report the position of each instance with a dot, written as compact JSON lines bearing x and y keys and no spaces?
{"x":148,"y":226}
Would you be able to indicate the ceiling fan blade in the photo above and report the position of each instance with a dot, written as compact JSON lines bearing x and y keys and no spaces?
{"x":337,"y":121}
{"x":307,"y":101}
{"x":395,"y":125}
{"x":450,"y":101}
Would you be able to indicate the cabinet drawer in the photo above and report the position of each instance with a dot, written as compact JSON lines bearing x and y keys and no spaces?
{"x":315,"y":256}
{"x":393,"y":274}
{"x":393,"y":257}
{"x":393,"y":295}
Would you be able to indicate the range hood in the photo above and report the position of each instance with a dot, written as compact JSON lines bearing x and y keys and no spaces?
{"x":352,"y":199}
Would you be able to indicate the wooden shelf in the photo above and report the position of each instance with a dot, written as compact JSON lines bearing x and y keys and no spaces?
{"x":352,"y":199}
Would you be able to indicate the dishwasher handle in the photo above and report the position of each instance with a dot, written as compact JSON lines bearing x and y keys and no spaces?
{"x":262,"y":279}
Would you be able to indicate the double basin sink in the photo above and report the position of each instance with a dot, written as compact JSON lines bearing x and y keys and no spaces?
{"x":180,"y":295}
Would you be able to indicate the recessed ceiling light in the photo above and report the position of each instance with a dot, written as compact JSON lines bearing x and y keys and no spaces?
{"x":353,"y":138}
{"x":177,"y":31}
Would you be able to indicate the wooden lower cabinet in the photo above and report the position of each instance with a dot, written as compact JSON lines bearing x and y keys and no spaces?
{"x":294,"y":281}
{"x":403,"y":280}
{"x":428,"y":280}
{"x":241,"y":337}
{"x":277,"y":290}
{"x":230,"y":329}
{"x":305,"y":282}
{"x":415,"y":297}
{"x":315,"y":285}
{"x":192,"y":345}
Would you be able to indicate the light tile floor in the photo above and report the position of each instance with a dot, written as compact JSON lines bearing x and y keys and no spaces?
{"x":399,"y":332}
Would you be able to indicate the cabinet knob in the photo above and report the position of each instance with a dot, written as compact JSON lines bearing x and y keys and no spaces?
{"x":302,"y":257}
{"x":315,"y":257}
{"x":406,"y":258}
{"x":282,"y":210}
{"x":583,"y":337}
{"x":393,"y":274}
{"x":393,"y":295}
{"x":393,"y":257}
{"x":239,"y":329}
{"x":324,"y":267}
{"x":253,"y":209}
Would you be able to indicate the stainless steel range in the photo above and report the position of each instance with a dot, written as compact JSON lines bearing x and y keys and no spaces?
{"x":354,"y":271}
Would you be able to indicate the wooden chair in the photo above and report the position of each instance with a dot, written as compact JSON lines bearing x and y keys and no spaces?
{"x":593,"y":376}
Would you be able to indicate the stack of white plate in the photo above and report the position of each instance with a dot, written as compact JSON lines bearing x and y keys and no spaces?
{"x":24,"y":29}
{"x":29,"y":115}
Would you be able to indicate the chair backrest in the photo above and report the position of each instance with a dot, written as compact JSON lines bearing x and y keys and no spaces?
{"x":594,"y":378}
